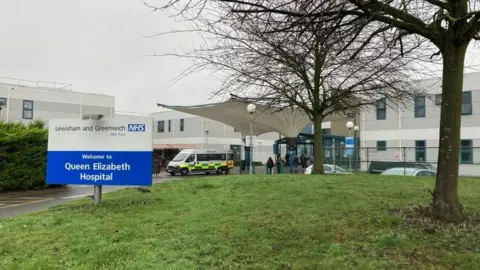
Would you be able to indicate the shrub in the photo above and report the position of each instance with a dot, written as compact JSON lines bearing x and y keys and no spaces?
{"x":23,"y":155}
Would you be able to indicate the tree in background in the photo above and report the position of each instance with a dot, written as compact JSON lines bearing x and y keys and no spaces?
{"x":323,"y":67}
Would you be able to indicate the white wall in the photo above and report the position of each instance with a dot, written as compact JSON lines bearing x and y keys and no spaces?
{"x":401,"y":128}
{"x":169,"y":114}
{"x":416,"y":134}
{"x":52,"y":103}
{"x":55,"y":96}
{"x":262,"y":149}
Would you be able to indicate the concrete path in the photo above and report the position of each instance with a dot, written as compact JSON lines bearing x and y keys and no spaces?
{"x":15,"y":203}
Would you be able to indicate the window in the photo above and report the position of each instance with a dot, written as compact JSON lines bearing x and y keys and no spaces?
{"x":190,"y":158}
{"x":420,"y":151}
{"x":3,"y":102}
{"x":326,"y":131}
{"x":467,"y":103}
{"x":27,"y":109}
{"x":340,"y":169}
{"x":419,"y":106}
{"x":202,"y":157}
{"x":466,"y":151}
{"x":169,"y":125}
{"x":421,"y":173}
{"x":399,"y":171}
{"x":182,"y":124}
{"x":160,"y":126}
{"x":217,"y":156}
{"x":211,"y":157}
{"x":381,"y":145}
{"x":430,"y":174}
{"x":180,"y":157}
{"x":327,"y":168}
{"x":381,"y":109}
{"x":425,"y":173}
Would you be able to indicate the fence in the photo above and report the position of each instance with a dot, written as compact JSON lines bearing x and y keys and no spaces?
{"x":361,"y":158}
{"x":37,"y":84}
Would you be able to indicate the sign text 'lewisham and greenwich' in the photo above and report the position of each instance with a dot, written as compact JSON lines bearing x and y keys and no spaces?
{"x":110,"y":151}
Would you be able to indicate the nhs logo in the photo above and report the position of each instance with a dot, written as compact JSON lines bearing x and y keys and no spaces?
{"x":136,"y":127}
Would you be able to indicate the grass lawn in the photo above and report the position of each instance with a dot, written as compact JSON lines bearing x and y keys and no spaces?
{"x":248,"y":222}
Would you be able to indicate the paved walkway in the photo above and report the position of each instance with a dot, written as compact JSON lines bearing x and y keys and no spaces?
{"x":15,"y":203}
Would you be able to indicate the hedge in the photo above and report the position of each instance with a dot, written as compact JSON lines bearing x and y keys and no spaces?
{"x":23,"y":155}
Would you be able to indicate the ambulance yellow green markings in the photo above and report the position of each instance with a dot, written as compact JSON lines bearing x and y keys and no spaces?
{"x":201,"y":160}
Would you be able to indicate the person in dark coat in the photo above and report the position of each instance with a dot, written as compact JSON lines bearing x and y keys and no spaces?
{"x":270,"y":165}
{"x":156,"y":166}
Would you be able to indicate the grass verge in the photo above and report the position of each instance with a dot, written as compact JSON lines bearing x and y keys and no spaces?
{"x":248,"y":222}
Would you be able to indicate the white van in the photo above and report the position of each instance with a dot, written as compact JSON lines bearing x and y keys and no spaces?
{"x":201,"y":161}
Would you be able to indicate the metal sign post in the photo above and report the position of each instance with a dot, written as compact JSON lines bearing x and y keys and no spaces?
{"x":97,"y":194}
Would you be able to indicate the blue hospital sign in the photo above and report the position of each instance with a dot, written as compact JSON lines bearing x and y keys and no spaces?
{"x":349,"y":145}
{"x":136,"y":127}
{"x":275,"y":148}
{"x":111,"y":151}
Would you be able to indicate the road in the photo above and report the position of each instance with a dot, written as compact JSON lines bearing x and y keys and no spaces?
{"x":15,"y":203}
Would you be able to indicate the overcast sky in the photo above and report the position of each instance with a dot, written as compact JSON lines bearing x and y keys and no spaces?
{"x":98,"y":46}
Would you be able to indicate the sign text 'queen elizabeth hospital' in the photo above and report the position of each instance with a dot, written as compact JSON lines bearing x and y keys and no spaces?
{"x":110,"y":151}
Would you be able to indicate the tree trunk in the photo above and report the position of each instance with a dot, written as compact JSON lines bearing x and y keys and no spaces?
{"x":446,"y":205}
{"x":317,"y":144}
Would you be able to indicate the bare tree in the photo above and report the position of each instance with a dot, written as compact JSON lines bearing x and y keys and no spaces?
{"x":450,"y":25}
{"x":323,"y":67}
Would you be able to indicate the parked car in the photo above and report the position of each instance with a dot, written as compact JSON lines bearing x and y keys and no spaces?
{"x":377,"y":166}
{"x":409,"y":172}
{"x":328,"y":169}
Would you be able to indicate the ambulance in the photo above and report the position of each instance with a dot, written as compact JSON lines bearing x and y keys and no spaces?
{"x":195,"y":161}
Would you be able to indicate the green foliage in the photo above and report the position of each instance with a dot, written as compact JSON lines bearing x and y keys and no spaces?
{"x":23,"y":155}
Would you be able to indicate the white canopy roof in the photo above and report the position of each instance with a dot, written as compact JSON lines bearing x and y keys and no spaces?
{"x":233,"y":112}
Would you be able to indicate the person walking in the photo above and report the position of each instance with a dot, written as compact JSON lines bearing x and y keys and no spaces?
{"x":156,"y":166}
{"x":270,"y":165}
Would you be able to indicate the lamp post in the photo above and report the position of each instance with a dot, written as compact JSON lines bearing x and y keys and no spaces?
{"x":251,"y":108}
{"x":206,"y":138}
{"x":350,"y":125}
{"x":356,"y":154}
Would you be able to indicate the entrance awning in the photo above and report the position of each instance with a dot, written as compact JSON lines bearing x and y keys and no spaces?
{"x":163,"y":146}
{"x":233,"y":112}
